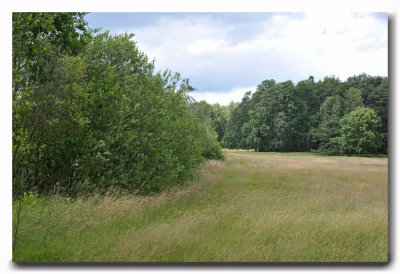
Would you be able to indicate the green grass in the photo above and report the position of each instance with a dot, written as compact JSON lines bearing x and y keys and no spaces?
{"x":274,"y":153}
{"x":251,"y":207}
{"x":303,"y":153}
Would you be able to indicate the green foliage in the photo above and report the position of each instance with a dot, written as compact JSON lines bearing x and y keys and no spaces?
{"x":306,"y":116}
{"x":329,"y":86}
{"x":90,"y":113}
{"x":211,"y":126}
{"x":45,"y":91}
{"x":358,"y":133}
{"x":380,"y":98}
{"x":331,"y":112}
{"x":214,"y":116}
{"x":375,"y":95}
{"x":210,"y":147}
{"x":307,"y":91}
{"x":277,"y":119}
{"x":353,"y":99}
{"x":220,"y":120}
{"x":30,"y":199}
{"x":147,"y":139}
{"x":234,"y":136}
{"x":332,"y":109}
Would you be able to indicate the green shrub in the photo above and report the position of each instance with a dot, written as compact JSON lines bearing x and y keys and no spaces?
{"x":103,"y":118}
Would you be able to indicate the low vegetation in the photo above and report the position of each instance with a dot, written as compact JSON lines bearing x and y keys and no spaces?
{"x":251,"y":207}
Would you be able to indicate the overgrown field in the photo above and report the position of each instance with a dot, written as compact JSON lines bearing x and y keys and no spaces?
{"x":251,"y":207}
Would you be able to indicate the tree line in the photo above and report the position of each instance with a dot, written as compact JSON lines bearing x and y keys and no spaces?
{"x":89,"y":112}
{"x":328,"y":116}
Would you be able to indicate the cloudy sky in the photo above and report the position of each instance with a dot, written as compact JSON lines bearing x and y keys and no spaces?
{"x":226,"y":54}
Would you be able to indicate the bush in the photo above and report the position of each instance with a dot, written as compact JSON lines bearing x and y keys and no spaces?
{"x":209,"y":145}
{"x":106,"y":119}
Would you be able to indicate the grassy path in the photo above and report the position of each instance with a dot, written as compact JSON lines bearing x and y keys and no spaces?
{"x":251,"y":207}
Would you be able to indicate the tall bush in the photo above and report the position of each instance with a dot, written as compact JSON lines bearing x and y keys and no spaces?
{"x":99,"y":117}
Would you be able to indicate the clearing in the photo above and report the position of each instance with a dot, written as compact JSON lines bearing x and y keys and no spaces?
{"x":269,"y":207}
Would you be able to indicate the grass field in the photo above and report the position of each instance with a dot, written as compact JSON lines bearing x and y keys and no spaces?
{"x":251,"y":207}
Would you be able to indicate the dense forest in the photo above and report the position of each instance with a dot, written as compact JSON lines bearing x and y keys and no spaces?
{"x":91,"y":113}
{"x":328,"y":116}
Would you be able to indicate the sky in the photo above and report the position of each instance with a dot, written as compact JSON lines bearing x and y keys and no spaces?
{"x":226,"y":54}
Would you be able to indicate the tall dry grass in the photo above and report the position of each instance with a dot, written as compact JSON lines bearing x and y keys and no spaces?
{"x":250,"y":207}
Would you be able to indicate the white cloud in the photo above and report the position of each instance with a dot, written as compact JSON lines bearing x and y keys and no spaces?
{"x":284,"y":47}
{"x":222,"y":98}
{"x":280,"y":19}
{"x":203,"y":46}
{"x":178,"y":43}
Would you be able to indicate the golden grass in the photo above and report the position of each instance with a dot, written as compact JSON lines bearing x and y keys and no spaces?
{"x":250,"y":207}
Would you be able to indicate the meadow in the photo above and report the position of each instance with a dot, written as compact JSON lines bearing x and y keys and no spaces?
{"x":251,"y":207}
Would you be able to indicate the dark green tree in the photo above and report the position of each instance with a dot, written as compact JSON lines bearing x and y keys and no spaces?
{"x":277,"y":119}
{"x":234,"y":137}
{"x":329,"y":86}
{"x":331,"y":111}
{"x":380,"y":98}
{"x":307,"y":91}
